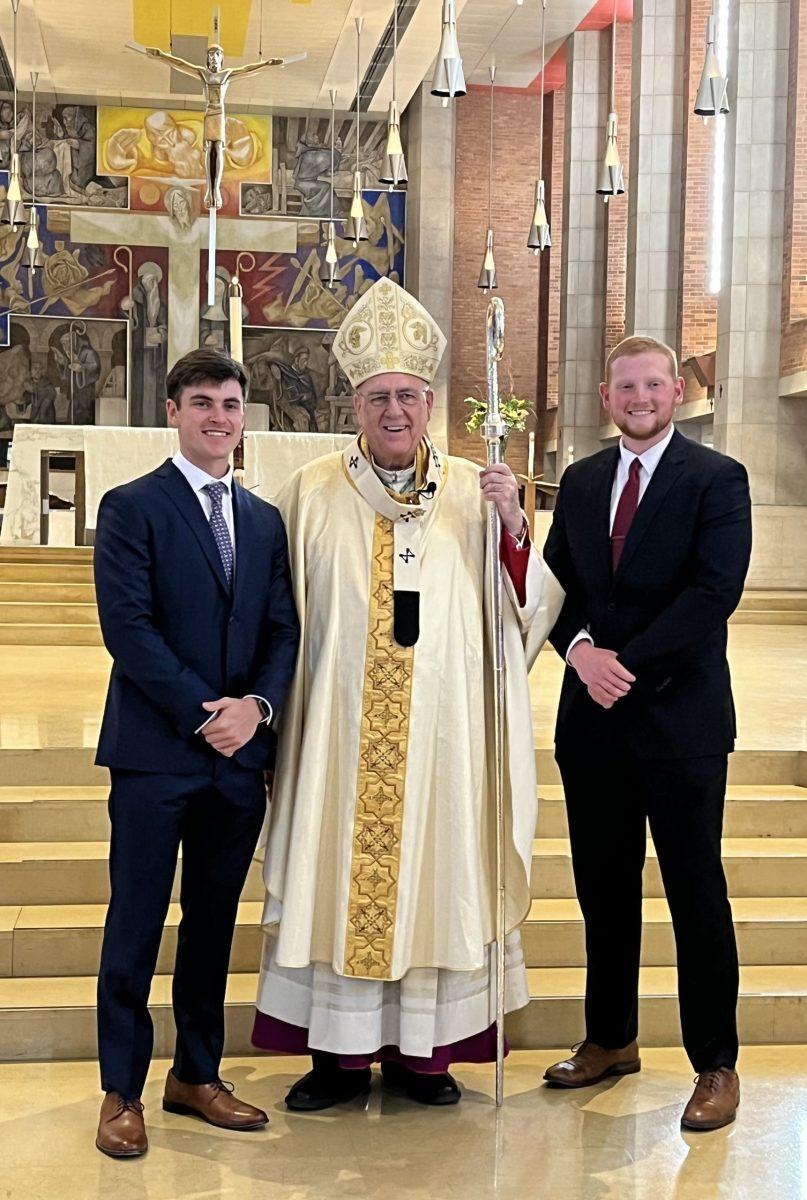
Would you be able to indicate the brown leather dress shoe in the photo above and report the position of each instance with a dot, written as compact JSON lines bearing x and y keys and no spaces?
{"x":715,"y":1100}
{"x":121,"y":1129}
{"x":213,"y":1102}
{"x":590,"y":1063}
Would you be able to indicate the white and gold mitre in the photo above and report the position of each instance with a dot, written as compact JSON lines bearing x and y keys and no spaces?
{"x":388,"y":330}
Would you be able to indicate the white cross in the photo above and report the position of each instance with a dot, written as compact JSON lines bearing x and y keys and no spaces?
{"x":144,"y":229}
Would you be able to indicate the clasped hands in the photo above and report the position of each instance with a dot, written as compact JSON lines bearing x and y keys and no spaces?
{"x":234,"y":725}
{"x":604,"y":676}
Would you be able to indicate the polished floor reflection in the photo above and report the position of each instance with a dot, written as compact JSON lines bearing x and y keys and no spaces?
{"x":54,"y":696}
{"x":618,"y":1141}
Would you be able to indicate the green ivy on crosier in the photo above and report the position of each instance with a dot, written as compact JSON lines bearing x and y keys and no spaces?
{"x":514,"y":413}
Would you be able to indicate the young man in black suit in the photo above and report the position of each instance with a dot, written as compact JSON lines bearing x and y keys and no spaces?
{"x":651,"y":541}
{"x":196,"y":609}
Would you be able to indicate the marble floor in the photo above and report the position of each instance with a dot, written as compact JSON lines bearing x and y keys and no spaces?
{"x":617,"y":1141}
{"x":53,"y":696}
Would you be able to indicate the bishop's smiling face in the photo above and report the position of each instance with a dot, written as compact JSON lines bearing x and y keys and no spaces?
{"x":641,"y":397}
{"x":209,"y":419}
{"x":393,"y":412}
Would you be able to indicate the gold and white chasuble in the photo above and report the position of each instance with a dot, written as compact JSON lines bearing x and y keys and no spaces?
{"x":380,"y":859}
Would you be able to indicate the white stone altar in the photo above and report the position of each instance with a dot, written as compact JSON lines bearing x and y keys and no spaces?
{"x":114,"y":456}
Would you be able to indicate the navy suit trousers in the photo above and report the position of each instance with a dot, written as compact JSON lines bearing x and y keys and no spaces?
{"x":216,"y":819}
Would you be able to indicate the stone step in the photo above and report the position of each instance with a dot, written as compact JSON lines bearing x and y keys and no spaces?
{"x":47,"y":555}
{"x":757,"y":599}
{"x":20,"y":612}
{"x":51,"y":766}
{"x":46,"y":592}
{"x":50,"y":635}
{"x":29,"y":571}
{"x":772,"y":616}
{"x":771,"y":930}
{"x":751,"y":811}
{"x":74,"y":765}
{"x":76,"y":872}
{"x":43,"y":814}
{"x":54,"y":1018}
{"x":46,"y":940}
{"x":754,"y":867}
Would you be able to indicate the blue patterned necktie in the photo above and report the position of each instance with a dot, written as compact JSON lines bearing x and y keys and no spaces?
{"x":219,"y":526}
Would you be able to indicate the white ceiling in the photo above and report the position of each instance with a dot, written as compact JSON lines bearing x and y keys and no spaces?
{"x":78,"y":48}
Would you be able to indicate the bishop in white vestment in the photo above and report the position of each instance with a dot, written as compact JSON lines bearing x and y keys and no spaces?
{"x":380,"y":861}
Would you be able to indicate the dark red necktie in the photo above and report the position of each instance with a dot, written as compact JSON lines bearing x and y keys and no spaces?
{"x":625,"y":512}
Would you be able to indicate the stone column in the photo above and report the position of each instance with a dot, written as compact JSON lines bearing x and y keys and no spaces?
{"x":430,"y":141}
{"x":654,"y":201}
{"x":582,"y":305}
{"x":752,"y":423}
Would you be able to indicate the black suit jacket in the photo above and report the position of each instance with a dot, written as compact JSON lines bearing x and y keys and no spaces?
{"x":665,"y":609}
{"x":178,"y":634}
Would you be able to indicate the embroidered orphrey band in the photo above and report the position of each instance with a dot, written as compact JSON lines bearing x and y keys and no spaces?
{"x":375,"y":866}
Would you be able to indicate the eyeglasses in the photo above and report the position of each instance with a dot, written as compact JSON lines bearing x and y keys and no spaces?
{"x":409,"y":397}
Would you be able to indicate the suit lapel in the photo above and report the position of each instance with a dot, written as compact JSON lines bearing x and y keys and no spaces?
{"x":665,"y":475}
{"x":181,"y":493}
{"x":599,"y":525}
{"x":244,"y":523}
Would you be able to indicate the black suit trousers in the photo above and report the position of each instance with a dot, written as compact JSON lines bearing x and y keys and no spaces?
{"x":611,"y":797}
{"x":216,"y":819}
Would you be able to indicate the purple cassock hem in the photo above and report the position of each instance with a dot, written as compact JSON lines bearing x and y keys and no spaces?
{"x":278,"y":1037}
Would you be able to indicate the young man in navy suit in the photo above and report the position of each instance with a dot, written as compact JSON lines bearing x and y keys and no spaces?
{"x":196,"y":608}
{"x":651,"y":541}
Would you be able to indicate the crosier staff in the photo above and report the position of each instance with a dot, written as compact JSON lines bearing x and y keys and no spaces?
{"x":494,"y":431}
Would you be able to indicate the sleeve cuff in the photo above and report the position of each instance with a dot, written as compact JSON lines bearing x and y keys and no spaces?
{"x":582,"y":636}
{"x":264,"y":706}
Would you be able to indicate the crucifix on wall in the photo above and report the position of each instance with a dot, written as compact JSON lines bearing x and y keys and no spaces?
{"x":215,"y":79}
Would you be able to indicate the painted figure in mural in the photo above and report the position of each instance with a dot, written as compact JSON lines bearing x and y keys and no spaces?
{"x":256,"y":200}
{"x":6,"y":134}
{"x":149,"y":346}
{"x":312,"y":162}
{"x":215,"y":80}
{"x":79,"y":132}
{"x":283,"y":374}
{"x":79,"y":369}
{"x":39,"y":397}
{"x":178,"y":202}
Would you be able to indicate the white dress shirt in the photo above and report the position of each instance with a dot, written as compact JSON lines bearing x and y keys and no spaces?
{"x":649,"y":460}
{"x":198,"y":479}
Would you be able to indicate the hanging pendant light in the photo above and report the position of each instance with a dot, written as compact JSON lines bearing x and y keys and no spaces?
{"x":612,"y":175}
{"x":539,"y":237}
{"x":394,"y":170}
{"x":329,"y":272}
{"x":449,"y":80}
{"x":356,"y":226}
{"x":487,"y":276}
{"x":712,"y":99}
{"x":13,"y":211}
{"x":36,"y":260}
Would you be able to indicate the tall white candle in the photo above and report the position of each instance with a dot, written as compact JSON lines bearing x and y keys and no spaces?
{"x":531,"y":455}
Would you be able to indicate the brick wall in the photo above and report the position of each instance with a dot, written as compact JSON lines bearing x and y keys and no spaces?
{"x":616,"y":219}
{"x":697,"y":310}
{"x":514,"y":173}
{"x":794,"y":291}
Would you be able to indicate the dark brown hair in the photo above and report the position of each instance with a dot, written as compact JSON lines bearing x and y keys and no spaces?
{"x":201,"y":366}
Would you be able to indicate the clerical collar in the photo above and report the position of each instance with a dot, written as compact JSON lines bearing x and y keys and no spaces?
{"x":401,"y":480}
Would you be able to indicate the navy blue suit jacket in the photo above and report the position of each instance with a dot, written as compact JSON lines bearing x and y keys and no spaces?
{"x":664,"y":610}
{"x":178,"y":634}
